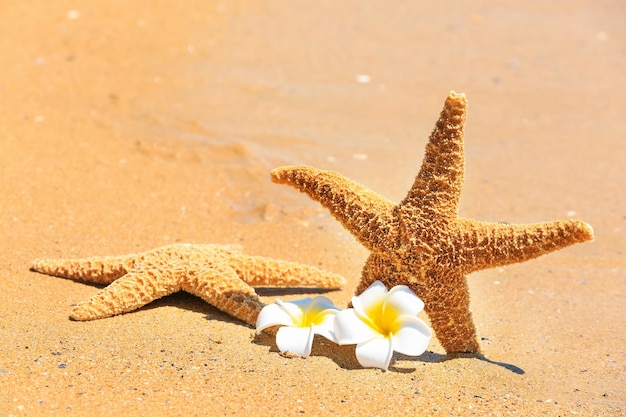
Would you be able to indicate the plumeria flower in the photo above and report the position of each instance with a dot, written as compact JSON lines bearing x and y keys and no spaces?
{"x":302,"y":320}
{"x":382,"y":322}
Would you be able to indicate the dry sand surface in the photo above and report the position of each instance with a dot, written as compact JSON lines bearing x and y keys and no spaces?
{"x":129,"y":125}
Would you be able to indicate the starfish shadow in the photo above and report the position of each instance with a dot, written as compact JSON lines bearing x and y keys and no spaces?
{"x":433,"y":357}
{"x":190,"y":302}
{"x":280,"y":291}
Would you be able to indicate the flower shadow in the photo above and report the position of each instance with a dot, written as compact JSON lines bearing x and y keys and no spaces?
{"x":343,"y":356}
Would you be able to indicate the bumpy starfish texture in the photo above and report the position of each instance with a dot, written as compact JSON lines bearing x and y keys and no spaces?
{"x":422,"y":242}
{"x":219,"y":274}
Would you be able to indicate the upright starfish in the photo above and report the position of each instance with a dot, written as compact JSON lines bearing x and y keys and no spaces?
{"x":220,"y":275}
{"x":422,"y":242}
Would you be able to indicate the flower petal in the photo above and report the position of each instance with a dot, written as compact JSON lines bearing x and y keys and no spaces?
{"x":295,"y":309}
{"x":412,"y":337}
{"x":403,"y":301}
{"x":295,"y":340}
{"x":350,"y":329}
{"x":375,"y":353}
{"x":326,"y":327}
{"x":369,"y":298}
{"x":318,"y":313}
{"x":272,"y":315}
{"x":319,"y":304}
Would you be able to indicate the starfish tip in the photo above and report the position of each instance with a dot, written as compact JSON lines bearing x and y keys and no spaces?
{"x":277,"y":173}
{"x":39,"y":265}
{"x":457,"y":97}
{"x":79,"y":314}
{"x":587,"y":230}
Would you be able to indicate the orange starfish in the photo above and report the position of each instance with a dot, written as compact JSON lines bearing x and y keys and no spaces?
{"x":422,"y":242}
{"x":219,"y":274}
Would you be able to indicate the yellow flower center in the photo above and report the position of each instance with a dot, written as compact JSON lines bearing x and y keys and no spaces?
{"x":312,"y":316}
{"x":382,"y":318}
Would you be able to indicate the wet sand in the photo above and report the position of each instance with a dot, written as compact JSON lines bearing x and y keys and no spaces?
{"x":124,"y":128}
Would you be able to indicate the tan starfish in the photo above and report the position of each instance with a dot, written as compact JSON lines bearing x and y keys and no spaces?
{"x":219,"y":274}
{"x":422,"y":242}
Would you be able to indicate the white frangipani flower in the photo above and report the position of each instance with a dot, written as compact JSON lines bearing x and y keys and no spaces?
{"x":382,"y":322}
{"x":301,"y":321}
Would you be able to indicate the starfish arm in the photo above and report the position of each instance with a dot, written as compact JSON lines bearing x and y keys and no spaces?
{"x":446,"y":301}
{"x":99,"y":270}
{"x":132,"y":291}
{"x":487,"y":245}
{"x":437,"y":187}
{"x":260,"y":271}
{"x":444,"y":293}
{"x":367,"y":215}
{"x":221,"y":287}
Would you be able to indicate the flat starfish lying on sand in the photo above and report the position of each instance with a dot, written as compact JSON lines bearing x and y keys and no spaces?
{"x":220,"y":275}
{"x":422,"y":242}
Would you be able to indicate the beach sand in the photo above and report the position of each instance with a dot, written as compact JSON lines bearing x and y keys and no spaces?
{"x":124,"y":128}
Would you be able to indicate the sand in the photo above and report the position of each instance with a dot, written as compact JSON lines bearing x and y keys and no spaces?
{"x":124,"y":128}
